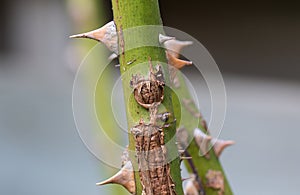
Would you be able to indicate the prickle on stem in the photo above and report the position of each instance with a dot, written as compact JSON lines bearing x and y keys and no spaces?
{"x":219,"y":145}
{"x":124,"y":177}
{"x":173,"y":48}
{"x":176,"y":62}
{"x":106,"y":34}
{"x":173,"y":45}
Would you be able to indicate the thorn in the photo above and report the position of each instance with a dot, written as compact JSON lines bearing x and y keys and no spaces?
{"x":163,"y":38}
{"x":175,"y":46}
{"x":219,"y":145}
{"x":78,"y":36}
{"x":202,"y":141}
{"x":177,"y":63}
{"x":124,"y":177}
{"x":107,"y":34}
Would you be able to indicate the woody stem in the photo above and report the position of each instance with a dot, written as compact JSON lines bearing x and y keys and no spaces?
{"x":129,"y":14}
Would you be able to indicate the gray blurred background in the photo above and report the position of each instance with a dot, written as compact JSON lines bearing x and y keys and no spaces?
{"x":255,"y":44}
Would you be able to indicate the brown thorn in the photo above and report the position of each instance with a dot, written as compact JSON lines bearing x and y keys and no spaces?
{"x":177,"y":63}
{"x":175,"y":46}
{"x":220,"y":145}
{"x":106,"y":34}
{"x":97,"y":35}
{"x":124,"y":177}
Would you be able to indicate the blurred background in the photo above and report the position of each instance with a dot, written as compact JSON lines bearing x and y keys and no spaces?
{"x":256,"y":45}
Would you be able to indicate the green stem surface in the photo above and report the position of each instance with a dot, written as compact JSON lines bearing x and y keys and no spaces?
{"x":130,"y":14}
{"x":201,"y":163}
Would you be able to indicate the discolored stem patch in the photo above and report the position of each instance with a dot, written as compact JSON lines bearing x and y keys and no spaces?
{"x":149,"y":91}
{"x":150,"y":151}
{"x":215,"y":180}
{"x":154,"y":170}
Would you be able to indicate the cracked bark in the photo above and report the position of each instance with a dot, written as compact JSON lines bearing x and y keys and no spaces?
{"x":128,"y":14}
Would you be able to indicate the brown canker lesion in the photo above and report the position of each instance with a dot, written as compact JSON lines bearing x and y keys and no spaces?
{"x":154,"y":170}
{"x":215,"y":180}
{"x":149,"y":91}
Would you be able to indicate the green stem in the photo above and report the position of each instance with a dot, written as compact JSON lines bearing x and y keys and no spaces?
{"x":129,"y":14}
{"x":201,"y":163}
